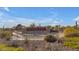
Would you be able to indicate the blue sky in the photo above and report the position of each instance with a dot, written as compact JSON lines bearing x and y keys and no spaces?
{"x":11,"y":16}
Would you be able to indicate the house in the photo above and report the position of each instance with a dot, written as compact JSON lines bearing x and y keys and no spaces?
{"x":36,"y":30}
{"x":39,"y":30}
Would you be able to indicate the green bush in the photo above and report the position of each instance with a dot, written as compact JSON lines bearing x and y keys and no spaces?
{"x":14,"y":44}
{"x":50,"y":38}
{"x":26,"y":40}
{"x":71,"y":32}
{"x":4,"y":47}
{"x":19,"y":49}
{"x":6,"y":35}
{"x":71,"y":45}
{"x":73,"y":35}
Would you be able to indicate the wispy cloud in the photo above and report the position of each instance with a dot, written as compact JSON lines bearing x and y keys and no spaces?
{"x":77,"y":18}
{"x":1,"y":14}
{"x":27,"y":21}
{"x":9,"y":21}
{"x":7,"y":9}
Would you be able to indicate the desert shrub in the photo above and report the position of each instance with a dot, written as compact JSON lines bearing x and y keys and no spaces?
{"x":71,"y":32}
{"x":6,"y":35}
{"x":14,"y":44}
{"x":48,"y":48}
{"x":71,"y":38}
{"x":19,"y":49}
{"x":60,"y":41}
{"x":71,"y":45}
{"x":4,"y":47}
{"x":50,"y":38}
{"x":26,"y":40}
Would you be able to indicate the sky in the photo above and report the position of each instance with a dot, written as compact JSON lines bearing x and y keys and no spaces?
{"x":11,"y":16}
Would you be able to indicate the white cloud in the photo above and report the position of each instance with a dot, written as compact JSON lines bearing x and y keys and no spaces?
{"x":46,"y":21}
{"x":7,"y":9}
{"x":56,"y":22}
{"x":1,"y":14}
{"x":7,"y":21}
{"x":10,"y":21}
{"x":77,"y":18}
{"x":27,"y":21}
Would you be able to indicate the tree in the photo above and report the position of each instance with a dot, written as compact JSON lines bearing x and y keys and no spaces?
{"x":50,"y":27}
{"x":57,"y":27}
{"x":19,"y":27}
{"x":33,"y":25}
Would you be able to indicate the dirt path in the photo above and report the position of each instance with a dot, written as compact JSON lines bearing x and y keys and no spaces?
{"x":17,"y":36}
